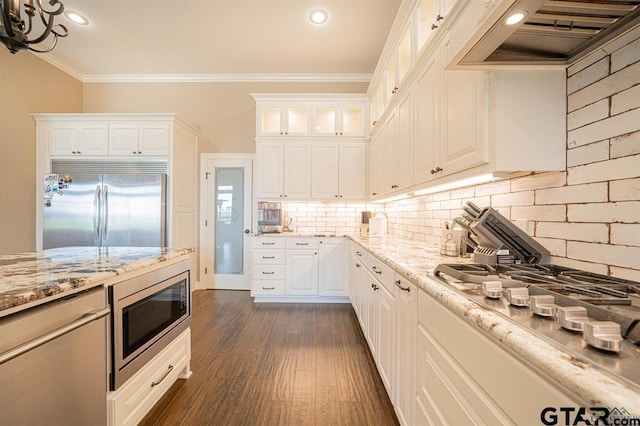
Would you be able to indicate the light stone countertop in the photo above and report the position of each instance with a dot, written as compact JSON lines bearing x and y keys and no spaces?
{"x":31,"y":279}
{"x":583,"y":379}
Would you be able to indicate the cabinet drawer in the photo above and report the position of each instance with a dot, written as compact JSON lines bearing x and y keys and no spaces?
{"x":268,"y":272}
{"x":267,"y":242}
{"x":266,"y":288}
{"x":302,"y":243}
{"x":129,"y":404}
{"x":357,"y":251}
{"x":267,"y":257}
{"x":381,"y":272}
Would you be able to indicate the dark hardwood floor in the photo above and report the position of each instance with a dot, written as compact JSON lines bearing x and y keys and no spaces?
{"x":275,"y":364}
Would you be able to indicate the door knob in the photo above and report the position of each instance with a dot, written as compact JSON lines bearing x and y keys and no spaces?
{"x":246,"y":231}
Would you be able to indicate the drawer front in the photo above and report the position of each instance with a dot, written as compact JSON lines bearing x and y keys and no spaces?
{"x":268,"y":272}
{"x":357,"y":251}
{"x":302,"y":243}
{"x":267,"y":257}
{"x":381,"y":272}
{"x":137,"y":396}
{"x":267,"y":242}
{"x":267,"y":288}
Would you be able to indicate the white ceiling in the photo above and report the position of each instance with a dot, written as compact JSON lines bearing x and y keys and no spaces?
{"x":140,"y":39}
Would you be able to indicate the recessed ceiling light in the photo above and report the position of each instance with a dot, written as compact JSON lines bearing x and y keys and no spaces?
{"x":515,"y":18}
{"x":76,"y":17}
{"x":319,"y":16}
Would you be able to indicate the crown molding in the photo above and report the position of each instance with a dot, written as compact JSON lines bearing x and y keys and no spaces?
{"x":226,"y":78}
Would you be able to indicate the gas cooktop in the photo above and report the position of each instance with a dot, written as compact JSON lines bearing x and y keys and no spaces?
{"x":595,"y":315}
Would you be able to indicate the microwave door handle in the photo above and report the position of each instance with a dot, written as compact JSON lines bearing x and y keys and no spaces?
{"x":105,"y":223}
{"x":96,"y":213}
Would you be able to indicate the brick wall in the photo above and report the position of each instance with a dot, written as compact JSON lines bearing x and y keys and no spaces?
{"x":588,"y":216}
{"x":326,"y":218}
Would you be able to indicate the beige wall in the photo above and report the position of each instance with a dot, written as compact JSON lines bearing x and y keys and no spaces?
{"x":27,"y":84}
{"x":224,"y":112}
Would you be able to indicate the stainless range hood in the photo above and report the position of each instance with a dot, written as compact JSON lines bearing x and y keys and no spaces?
{"x":553,"y":31}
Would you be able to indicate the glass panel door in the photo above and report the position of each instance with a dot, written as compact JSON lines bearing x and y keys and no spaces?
{"x":229,"y":214}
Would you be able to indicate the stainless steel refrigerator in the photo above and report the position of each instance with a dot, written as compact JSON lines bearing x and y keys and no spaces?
{"x":110,"y":210}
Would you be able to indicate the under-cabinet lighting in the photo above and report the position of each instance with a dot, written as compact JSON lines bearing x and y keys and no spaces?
{"x":394,"y":198}
{"x":475,"y":180}
{"x":515,"y":18}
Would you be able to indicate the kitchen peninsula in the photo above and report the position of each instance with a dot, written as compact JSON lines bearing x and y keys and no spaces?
{"x":73,"y":336}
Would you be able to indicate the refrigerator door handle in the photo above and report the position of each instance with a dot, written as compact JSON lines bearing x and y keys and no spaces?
{"x":96,"y":213}
{"x":105,"y":222}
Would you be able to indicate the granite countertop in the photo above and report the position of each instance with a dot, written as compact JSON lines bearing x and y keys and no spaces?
{"x":30,"y":279}
{"x":585,"y":380}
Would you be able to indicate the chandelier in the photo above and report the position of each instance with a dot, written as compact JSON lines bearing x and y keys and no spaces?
{"x":15,"y":32}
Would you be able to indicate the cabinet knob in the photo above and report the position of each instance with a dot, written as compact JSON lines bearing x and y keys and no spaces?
{"x":340,"y":133}
{"x":394,"y":186}
{"x":78,"y":152}
{"x":134,"y":152}
{"x":434,"y":26}
{"x":335,"y":196}
{"x":280,"y":195}
{"x":139,"y":152}
{"x":73,"y":152}
{"x":285,"y":195}
{"x":341,"y":196}
{"x":439,"y":18}
{"x":374,"y":194}
{"x":375,"y":122}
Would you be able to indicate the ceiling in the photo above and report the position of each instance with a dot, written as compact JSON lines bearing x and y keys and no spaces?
{"x":191,"y":38}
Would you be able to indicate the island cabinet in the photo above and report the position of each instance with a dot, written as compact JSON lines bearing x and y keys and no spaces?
{"x":324,"y":159}
{"x":124,"y":143}
{"x":292,"y":269}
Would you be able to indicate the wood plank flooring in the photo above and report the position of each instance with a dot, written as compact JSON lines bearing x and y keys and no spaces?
{"x":275,"y":364}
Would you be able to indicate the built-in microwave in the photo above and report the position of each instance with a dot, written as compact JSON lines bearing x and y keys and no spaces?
{"x":148,"y":313}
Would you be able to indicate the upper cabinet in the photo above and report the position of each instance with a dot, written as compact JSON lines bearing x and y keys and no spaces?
{"x":328,"y":162}
{"x":139,"y":139}
{"x":345,"y":120}
{"x":78,"y":139}
{"x":439,"y":124}
{"x":292,"y":119}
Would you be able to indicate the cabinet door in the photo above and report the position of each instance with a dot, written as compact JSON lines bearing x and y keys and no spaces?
{"x":154,"y":139}
{"x":324,"y":171}
{"x":334,"y":257}
{"x":298,"y":119}
{"x":352,"y":171}
{"x":386,"y":341}
{"x":372,"y":305}
{"x":63,"y":139}
{"x":353,"y":121}
{"x":428,"y":22}
{"x":270,"y":120}
{"x":391,"y":79}
{"x":325,"y":120}
{"x":93,"y":139}
{"x":297,"y":170}
{"x":406,"y":306}
{"x":403,"y":167}
{"x":378,"y":167}
{"x":465,"y":143}
{"x":405,"y":54}
{"x":428,"y":119}
{"x":302,"y":273}
{"x":123,"y":139}
{"x":269,"y":170}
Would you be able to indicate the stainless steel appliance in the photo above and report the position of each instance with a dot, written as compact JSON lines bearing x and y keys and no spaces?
{"x":149,"y":312}
{"x":557,"y":31}
{"x":496,"y":240}
{"x":595,"y":316}
{"x":53,"y":362}
{"x":269,"y":217}
{"x":112,"y":210}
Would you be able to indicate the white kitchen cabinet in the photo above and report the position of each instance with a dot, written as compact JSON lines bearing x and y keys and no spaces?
{"x":283,"y":170}
{"x":379,"y":171}
{"x":399,"y":65}
{"x":283,"y":119}
{"x":78,"y":139}
{"x":302,"y":267}
{"x":371,"y":304}
{"x":149,"y":138}
{"x":464,"y":377}
{"x":333,"y":267}
{"x":406,"y":310}
{"x":342,"y":120}
{"x":387,"y":350}
{"x":428,"y":115}
{"x":430,"y":15}
{"x":401,"y":142}
{"x":338,"y":171}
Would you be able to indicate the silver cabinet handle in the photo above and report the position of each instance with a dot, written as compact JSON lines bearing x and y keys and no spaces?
{"x":268,"y":257}
{"x":302,"y":244}
{"x":268,"y":244}
{"x":164,"y":376}
{"x":268,"y":288}
{"x":22,"y":349}
{"x":268,"y":273}
{"x":399,"y":284}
